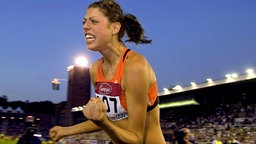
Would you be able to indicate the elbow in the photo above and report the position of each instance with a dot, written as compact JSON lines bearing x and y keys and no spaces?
{"x":137,"y":139}
{"x":132,"y":138}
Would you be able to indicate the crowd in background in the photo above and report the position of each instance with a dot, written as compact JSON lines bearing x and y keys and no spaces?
{"x":229,"y":121}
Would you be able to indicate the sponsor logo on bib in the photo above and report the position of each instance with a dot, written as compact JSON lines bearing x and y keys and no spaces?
{"x":105,"y":88}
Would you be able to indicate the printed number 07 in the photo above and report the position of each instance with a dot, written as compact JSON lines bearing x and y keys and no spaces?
{"x":107,"y":100}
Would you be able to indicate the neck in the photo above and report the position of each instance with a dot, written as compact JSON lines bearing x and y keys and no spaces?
{"x":112,"y":54}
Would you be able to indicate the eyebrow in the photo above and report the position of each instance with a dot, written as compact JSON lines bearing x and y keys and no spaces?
{"x":89,"y":17}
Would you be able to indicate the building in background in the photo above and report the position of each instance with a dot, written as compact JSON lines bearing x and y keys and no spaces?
{"x":79,"y":91}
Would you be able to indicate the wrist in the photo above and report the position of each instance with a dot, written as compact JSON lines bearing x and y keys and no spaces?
{"x":103,"y":122}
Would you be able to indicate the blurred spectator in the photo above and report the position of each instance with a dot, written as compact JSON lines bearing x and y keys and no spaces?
{"x":29,"y":138}
{"x":217,"y":139}
{"x":234,"y":141}
{"x":182,"y":136}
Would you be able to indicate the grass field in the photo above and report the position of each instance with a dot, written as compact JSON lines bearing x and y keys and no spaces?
{"x":11,"y":141}
{"x":7,"y":141}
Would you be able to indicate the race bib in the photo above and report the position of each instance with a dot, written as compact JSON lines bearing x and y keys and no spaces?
{"x":115,"y":111}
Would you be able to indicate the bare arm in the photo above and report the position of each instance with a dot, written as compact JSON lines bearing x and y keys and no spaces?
{"x":136,"y":85}
{"x":59,"y":132}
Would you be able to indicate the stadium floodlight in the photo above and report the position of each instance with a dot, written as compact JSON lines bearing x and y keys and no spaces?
{"x":56,"y":83}
{"x":229,"y":78}
{"x":228,"y":75}
{"x":177,"y":87}
{"x":69,"y":68}
{"x":209,"y":80}
{"x":193,"y":83}
{"x":81,"y":61}
{"x":178,"y":103}
{"x":166,"y":91}
{"x":250,"y":71}
{"x":234,"y":75}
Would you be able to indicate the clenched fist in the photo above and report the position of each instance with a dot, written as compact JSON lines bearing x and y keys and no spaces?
{"x":95,"y":110}
{"x":57,"y":133}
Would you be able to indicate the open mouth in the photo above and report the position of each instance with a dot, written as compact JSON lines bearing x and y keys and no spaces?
{"x":89,"y":37}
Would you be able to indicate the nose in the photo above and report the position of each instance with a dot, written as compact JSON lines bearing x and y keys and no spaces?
{"x":86,"y":26}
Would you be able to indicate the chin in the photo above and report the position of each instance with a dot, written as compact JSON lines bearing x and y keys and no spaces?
{"x":92,"y":48}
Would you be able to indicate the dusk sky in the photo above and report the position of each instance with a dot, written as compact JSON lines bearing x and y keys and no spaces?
{"x":192,"y":40}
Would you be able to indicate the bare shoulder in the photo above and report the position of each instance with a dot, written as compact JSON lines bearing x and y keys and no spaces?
{"x":135,"y":61}
{"x":137,"y":65}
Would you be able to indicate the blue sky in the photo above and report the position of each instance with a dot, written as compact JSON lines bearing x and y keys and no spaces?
{"x":192,"y":40}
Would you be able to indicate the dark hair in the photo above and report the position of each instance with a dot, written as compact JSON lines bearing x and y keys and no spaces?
{"x":129,"y":23}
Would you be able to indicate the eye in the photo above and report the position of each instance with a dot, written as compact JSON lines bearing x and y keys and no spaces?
{"x":84,"y":21}
{"x":93,"y":21}
{"x":90,"y":21}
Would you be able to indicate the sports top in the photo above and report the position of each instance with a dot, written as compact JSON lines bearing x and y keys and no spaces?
{"x":112,"y":94}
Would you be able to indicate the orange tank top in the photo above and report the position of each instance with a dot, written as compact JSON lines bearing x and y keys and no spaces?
{"x":112,"y":94}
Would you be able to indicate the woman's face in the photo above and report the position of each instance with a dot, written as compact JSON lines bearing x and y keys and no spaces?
{"x":97,"y":30}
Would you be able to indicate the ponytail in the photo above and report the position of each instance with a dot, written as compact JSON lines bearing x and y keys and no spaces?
{"x":134,"y":30}
{"x":130,"y":25}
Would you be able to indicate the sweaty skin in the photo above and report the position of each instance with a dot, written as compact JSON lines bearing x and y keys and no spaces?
{"x":141,"y":127}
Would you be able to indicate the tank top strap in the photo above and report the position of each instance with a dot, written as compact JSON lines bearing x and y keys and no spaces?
{"x":99,"y":73}
{"x":120,"y":69}
{"x":125,"y":53}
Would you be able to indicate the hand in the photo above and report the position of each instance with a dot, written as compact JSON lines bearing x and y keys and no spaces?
{"x":56,"y":133}
{"x":95,"y":110}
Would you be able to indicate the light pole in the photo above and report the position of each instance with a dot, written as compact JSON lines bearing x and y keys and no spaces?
{"x":56,"y":83}
{"x":79,"y":89}
{"x":62,"y":105}
{"x":80,"y":61}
